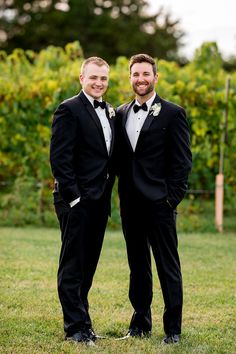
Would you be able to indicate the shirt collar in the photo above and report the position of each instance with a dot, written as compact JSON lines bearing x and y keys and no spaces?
{"x":148,"y":102}
{"x":90,"y":98}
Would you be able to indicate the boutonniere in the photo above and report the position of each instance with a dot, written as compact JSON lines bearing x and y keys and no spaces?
{"x":111,"y":112}
{"x":155,"y":109}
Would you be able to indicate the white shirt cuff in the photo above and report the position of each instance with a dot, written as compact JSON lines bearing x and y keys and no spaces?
{"x":74,"y":202}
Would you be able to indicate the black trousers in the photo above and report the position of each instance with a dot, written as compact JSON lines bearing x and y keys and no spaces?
{"x":151,"y":226}
{"x":82,"y":232}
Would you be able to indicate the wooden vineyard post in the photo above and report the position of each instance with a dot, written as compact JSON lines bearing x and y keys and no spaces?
{"x":219,"y":181}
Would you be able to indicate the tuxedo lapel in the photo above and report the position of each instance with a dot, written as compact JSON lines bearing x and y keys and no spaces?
{"x":124,"y":120}
{"x":91,"y":111}
{"x":150,"y":117}
{"x":95,"y":117}
{"x":110,"y":120}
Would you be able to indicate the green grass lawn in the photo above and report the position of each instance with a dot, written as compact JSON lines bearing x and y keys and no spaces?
{"x":30,"y":314}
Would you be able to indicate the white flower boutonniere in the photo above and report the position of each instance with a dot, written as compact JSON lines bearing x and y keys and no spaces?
{"x":155,"y":109}
{"x":111,"y":112}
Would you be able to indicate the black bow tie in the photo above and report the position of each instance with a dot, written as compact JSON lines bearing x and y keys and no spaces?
{"x":101,"y":104}
{"x":137,"y":107}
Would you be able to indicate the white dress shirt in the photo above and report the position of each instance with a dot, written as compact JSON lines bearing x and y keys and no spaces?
{"x":103,"y":120}
{"x":135,"y":121}
{"x":106,"y":131}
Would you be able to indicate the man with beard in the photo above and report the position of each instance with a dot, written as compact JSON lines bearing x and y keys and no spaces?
{"x":154,"y":160}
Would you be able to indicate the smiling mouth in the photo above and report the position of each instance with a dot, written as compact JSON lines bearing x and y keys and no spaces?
{"x":141,"y":86}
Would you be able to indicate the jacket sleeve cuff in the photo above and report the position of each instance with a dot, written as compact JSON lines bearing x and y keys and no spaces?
{"x":70,"y":194}
{"x":74,"y":202}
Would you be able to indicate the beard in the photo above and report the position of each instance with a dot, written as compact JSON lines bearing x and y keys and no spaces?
{"x":149,"y":88}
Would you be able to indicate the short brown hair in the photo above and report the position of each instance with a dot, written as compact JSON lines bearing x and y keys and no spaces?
{"x":143,"y":58}
{"x":95,"y":60}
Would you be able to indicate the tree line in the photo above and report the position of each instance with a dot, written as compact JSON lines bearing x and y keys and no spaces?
{"x":103,"y":27}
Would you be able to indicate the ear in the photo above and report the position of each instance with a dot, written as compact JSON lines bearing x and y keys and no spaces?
{"x":81,"y":78}
{"x":156,"y":78}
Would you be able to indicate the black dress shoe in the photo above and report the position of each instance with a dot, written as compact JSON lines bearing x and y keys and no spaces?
{"x":171,"y":339}
{"x":81,"y":337}
{"x":136,"y":332}
{"x":93,"y":336}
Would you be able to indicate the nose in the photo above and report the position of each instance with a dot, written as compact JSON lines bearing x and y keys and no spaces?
{"x":141,"y":78}
{"x":98,"y":82}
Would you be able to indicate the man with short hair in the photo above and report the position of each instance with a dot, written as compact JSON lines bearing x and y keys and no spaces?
{"x":154,"y":160}
{"x":80,"y":154}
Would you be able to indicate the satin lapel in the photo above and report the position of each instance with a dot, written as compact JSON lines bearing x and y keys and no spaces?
{"x":150,"y":117}
{"x":92,"y":113}
{"x":124,"y":120}
{"x":111,"y":122}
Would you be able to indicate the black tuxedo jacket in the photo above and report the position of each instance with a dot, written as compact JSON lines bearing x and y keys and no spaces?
{"x":79,"y":159}
{"x":162,"y":160}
